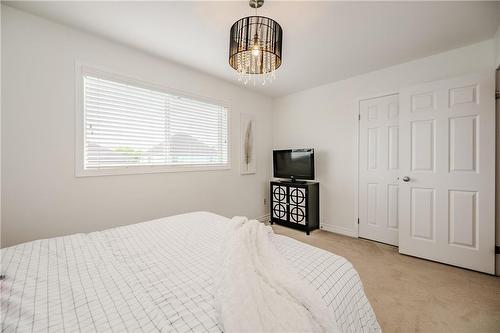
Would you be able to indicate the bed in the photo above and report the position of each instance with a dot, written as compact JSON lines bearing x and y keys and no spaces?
{"x":152,"y":276}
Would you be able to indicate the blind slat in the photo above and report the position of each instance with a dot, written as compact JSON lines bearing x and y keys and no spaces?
{"x":128,"y":126}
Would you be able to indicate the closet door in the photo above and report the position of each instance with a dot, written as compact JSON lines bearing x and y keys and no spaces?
{"x":447,"y":179}
{"x":379,"y":169}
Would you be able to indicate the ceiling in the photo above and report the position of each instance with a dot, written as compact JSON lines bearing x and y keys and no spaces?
{"x":323,"y":41}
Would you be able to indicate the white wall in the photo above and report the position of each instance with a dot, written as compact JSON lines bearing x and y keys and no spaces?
{"x":325,"y":118}
{"x":41,"y":196}
{"x":0,"y":133}
{"x":497,"y":43}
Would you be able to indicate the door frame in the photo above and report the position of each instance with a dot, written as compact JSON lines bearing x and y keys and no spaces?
{"x":357,"y":115}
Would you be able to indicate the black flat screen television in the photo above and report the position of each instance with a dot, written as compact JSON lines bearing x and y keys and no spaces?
{"x":294,"y":164}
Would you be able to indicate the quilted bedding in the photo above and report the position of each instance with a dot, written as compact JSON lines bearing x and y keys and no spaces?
{"x":152,"y":276}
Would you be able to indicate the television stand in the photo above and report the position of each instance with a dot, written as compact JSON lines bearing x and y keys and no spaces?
{"x":295,"y":204}
{"x":293,"y":181}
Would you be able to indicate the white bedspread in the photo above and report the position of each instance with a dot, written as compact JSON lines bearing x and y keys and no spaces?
{"x":153,"y":276}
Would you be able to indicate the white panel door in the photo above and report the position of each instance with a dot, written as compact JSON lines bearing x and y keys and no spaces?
{"x":379,"y":169}
{"x":447,"y":172}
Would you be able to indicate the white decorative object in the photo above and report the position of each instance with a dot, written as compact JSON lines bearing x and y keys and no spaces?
{"x":248,"y":157}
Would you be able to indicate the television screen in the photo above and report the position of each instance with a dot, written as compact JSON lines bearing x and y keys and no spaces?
{"x":294,"y":163}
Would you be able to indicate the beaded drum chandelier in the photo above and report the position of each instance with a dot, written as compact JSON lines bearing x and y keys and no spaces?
{"x":255,"y":47}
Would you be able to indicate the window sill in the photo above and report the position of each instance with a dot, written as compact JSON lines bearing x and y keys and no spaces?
{"x":137,"y":170}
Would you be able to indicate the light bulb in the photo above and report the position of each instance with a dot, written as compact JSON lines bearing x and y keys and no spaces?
{"x":256,"y":50}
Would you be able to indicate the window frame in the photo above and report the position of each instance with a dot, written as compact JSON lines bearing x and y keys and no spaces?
{"x":81,"y":70}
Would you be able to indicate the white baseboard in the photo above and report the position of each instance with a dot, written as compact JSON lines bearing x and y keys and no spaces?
{"x":339,"y":230}
{"x":327,"y":227}
{"x":263,"y":218}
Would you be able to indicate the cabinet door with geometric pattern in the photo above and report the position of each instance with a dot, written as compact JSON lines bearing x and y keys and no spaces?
{"x":279,"y":200}
{"x":297,"y":205}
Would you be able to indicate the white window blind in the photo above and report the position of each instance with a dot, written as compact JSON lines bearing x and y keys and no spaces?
{"x":127,"y":126}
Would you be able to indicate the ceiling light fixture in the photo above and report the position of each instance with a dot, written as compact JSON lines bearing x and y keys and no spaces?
{"x":255,"y":47}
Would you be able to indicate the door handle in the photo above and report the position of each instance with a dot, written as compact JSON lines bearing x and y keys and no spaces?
{"x":406,"y":179}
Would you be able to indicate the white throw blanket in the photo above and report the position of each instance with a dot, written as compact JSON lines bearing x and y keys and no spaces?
{"x":258,"y":290}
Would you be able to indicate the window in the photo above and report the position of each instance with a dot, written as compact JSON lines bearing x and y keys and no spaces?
{"x":131,"y":129}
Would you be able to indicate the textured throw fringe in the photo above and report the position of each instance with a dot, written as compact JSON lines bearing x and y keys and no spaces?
{"x":258,"y":291}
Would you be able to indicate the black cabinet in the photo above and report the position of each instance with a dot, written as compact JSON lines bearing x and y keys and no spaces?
{"x":295,"y":205}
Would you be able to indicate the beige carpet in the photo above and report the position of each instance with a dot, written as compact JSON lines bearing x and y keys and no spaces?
{"x":415,"y":295}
